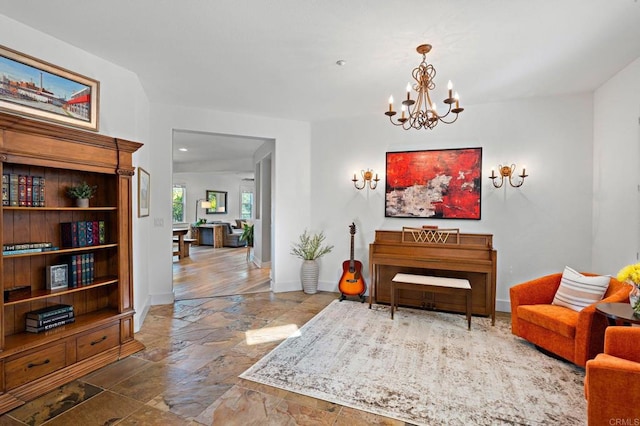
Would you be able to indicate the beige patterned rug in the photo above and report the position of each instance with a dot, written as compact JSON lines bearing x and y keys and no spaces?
{"x":424,"y":368}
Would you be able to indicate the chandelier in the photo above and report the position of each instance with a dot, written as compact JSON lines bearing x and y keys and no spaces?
{"x":421,"y":112}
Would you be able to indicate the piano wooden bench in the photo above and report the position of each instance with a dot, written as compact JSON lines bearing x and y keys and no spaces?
{"x":427,"y":283}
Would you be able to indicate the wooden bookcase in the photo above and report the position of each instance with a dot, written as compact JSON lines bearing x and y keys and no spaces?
{"x":32,"y":364}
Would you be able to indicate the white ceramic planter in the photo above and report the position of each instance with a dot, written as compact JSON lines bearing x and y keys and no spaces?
{"x":309,"y":273}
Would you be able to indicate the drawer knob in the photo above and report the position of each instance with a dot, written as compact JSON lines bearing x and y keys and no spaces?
{"x":95,"y":342}
{"x":36,"y":364}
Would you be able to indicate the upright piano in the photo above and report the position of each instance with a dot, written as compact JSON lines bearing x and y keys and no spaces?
{"x":436,"y":252}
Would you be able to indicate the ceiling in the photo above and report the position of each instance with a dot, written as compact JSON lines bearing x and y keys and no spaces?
{"x":207,"y":152}
{"x":277,"y":58}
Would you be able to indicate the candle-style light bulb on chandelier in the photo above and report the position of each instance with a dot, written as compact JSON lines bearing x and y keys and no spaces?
{"x":421,"y":113}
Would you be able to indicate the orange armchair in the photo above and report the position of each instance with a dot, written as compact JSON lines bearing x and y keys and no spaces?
{"x":574,"y":336}
{"x":612,"y":383}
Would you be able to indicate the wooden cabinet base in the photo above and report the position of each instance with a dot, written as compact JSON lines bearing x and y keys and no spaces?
{"x":8,"y":402}
{"x":28,"y":391}
{"x":29,"y":374}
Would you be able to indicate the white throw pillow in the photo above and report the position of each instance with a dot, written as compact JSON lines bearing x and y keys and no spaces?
{"x":577,"y":291}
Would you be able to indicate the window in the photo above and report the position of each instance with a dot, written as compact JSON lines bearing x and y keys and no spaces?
{"x":178,"y":203}
{"x":246,"y":203}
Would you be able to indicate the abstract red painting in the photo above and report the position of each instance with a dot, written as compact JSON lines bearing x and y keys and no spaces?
{"x":438,"y":184}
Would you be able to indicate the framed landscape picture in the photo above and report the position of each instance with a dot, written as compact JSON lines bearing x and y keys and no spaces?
{"x":38,"y":89}
{"x":439,"y":184}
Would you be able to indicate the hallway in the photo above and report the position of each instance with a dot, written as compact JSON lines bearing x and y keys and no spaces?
{"x":212,"y":272}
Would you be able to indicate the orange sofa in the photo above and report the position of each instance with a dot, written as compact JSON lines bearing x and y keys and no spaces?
{"x":612,"y":383}
{"x":574,"y":336}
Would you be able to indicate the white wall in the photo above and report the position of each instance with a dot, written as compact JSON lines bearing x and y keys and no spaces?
{"x":263,"y":213}
{"x":538,"y":228}
{"x":197,"y":185}
{"x":574,"y":209}
{"x":123,"y":113}
{"x":290,"y":185}
{"x":616,"y":171}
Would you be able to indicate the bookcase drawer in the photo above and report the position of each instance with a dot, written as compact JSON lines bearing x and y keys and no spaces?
{"x":34,"y":365}
{"x":97,"y":341}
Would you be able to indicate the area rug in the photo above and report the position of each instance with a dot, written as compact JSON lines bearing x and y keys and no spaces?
{"x":424,"y":368}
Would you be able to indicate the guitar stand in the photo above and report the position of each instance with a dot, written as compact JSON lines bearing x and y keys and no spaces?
{"x":344,"y":296}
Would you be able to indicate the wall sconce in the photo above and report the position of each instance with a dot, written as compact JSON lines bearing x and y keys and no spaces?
{"x":367,"y":176}
{"x":203,"y":204}
{"x":507,"y":172}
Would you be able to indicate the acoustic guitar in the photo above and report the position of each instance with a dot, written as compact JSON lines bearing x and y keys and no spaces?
{"x":352,"y":282}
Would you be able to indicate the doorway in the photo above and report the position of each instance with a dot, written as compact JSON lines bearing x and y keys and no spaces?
{"x":205,"y":162}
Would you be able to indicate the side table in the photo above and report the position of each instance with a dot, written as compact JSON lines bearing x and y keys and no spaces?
{"x":618,"y":313}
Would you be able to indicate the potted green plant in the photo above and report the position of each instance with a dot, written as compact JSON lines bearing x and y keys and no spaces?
{"x":81,"y":193}
{"x":310,"y":248}
{"x":247,"y":234}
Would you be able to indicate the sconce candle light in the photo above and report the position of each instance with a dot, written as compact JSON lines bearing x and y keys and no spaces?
{"x":367,"y":178}
{"x":507,"y":172}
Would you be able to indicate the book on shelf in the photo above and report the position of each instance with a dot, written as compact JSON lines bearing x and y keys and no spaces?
{"x":30,"y":322}
{"x":89,"y":233}
{"x":81,"y":269}
{"x":102,"y":232}
{"x":13,"y":189}
{"x":82,"y":233}
{"x":41,"y":192}
{"x":49,"y":311}
{"x":5,"y":189}
{"x":69,"y":234}
{"x":24,"y":246}
{"x":35,"y":191}
{"x":50,"y":326}
{"x":31,"y":250}
{"x":29,"y":191}
{"x":17,"y":293}
{"x":23,"y":190}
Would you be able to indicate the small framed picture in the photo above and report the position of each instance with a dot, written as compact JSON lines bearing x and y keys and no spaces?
{"x":57,"y":277}
{"x":144,"y":188}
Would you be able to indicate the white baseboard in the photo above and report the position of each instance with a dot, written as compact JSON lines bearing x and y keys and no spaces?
{"x":139,"y":317}
{"x":503,"y":305}
{"x":162,"y":299}
{"x":259,"y":263}
{"x":152,"y":300}
{"x":328,"y":286}
{"x":282,"y":287}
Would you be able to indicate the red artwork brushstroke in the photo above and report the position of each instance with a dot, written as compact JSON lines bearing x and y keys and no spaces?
{"x":436,"y":183}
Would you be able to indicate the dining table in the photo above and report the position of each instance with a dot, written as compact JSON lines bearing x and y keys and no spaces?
{"x":180,"y":233}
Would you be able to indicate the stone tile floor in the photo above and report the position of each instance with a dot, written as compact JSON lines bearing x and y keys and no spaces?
{"x":188,"y":373}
